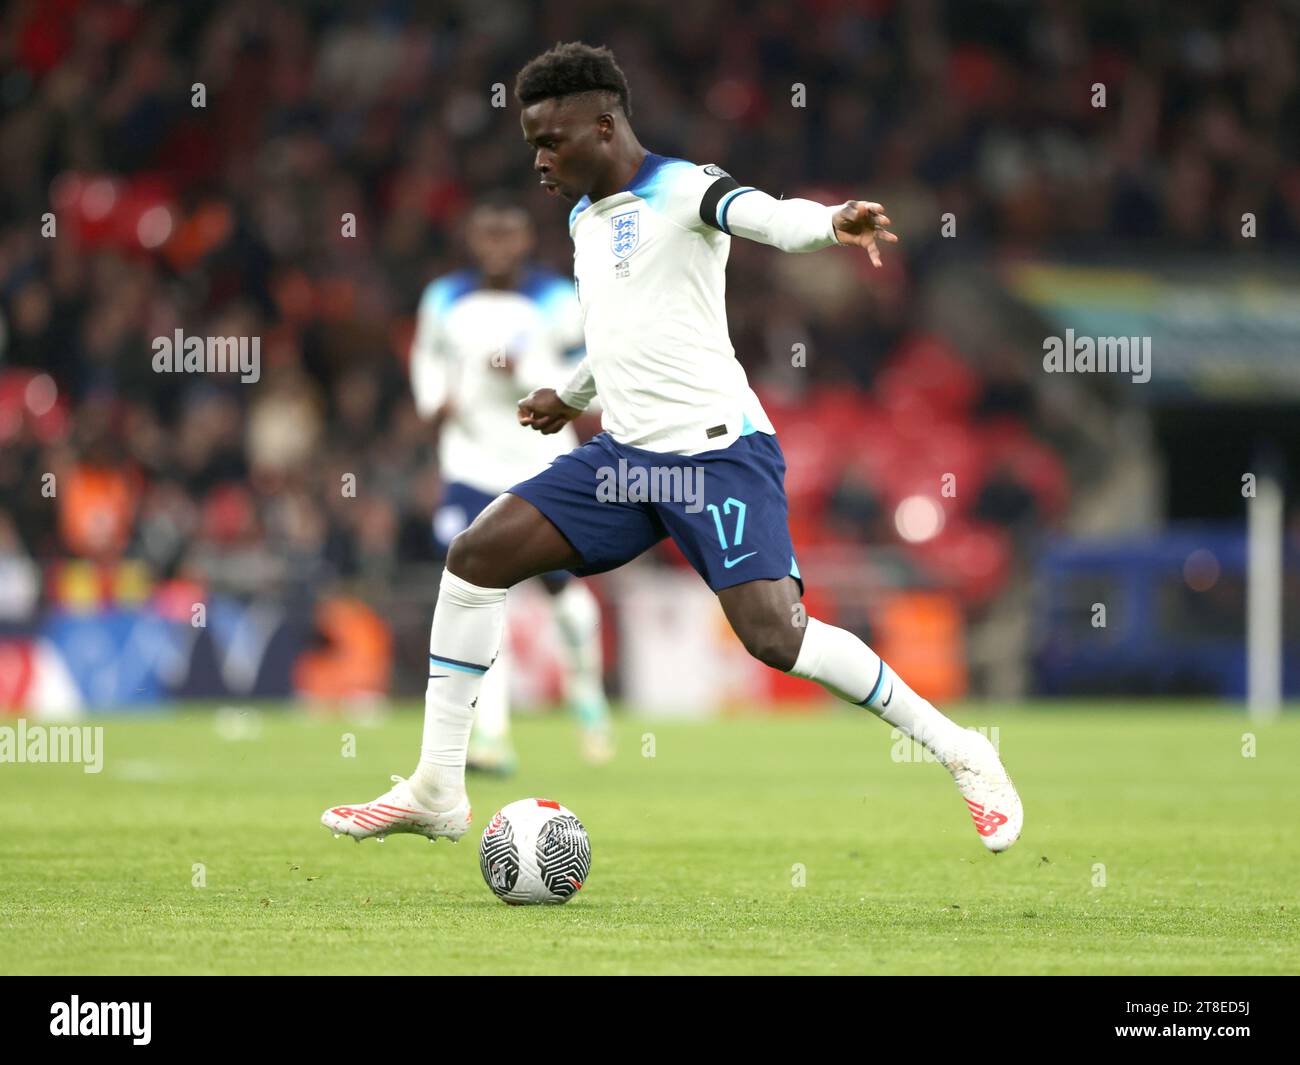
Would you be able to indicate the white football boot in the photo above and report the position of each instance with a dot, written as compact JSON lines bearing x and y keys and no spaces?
{"x":990,"y":796}
{"x":397,"y":810}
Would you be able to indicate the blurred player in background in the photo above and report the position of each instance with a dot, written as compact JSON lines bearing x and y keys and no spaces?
{"x":485,"y":337}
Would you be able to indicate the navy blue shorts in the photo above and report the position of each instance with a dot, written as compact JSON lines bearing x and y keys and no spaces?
{"x":725,"y":509}
{"x":459,"y":506}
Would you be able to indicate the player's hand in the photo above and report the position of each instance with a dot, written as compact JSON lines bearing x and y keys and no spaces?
{"x":542,"y":410}
{"x":862,"y":223}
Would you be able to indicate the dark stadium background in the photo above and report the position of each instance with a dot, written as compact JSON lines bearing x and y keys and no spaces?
{"x":226,"y":219}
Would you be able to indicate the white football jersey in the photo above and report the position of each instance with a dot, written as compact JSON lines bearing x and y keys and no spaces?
{"x":650,"y":267}
{"x":461,"y":330}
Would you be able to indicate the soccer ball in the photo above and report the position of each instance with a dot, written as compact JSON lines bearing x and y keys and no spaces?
{"x":534,"y":850}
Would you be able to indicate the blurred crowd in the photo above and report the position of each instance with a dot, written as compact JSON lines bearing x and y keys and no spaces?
{"x":297,"y":172}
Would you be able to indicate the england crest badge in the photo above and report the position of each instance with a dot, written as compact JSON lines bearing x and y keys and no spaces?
{"x":625,"y":233}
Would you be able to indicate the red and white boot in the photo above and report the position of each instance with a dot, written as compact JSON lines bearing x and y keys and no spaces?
{"x":990,"y":796}
{"x":397,"y":810}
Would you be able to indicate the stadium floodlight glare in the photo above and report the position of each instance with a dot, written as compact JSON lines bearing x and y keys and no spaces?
{"x":918,"y":519}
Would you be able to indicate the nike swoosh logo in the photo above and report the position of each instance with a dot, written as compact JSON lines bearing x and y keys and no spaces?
{"x":729,"y":562}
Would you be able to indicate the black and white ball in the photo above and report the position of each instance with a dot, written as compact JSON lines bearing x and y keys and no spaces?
{"x":534,"y":851}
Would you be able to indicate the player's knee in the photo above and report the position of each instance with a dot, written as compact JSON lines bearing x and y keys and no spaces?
{"x":773,"y":646}
{"x":468,"y":560}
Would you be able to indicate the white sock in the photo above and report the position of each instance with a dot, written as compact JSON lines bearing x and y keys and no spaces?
{"x":467,"y":626}
{"x":577,"y":615}
{"x":492,"y":715}
{"x":847,"y":667}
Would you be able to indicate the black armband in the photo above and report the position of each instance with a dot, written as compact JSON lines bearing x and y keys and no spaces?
{"x":713,"y":196}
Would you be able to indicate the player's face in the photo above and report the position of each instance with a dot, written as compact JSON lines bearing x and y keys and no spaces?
{"x":499,"y":240}
{"x":568,"y":144}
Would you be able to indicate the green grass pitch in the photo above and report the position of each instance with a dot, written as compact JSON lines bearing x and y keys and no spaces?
{"x":793,"y":844}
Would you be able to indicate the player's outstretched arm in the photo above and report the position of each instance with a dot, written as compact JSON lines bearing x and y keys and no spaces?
{"x":798,"y":225}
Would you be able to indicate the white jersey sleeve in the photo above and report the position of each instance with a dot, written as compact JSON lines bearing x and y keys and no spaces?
{"x":708,"y":197}
{"x":792,"y":225}
{"x":580,"y":389}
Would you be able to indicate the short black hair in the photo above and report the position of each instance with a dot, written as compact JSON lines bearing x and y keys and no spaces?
{"x":569,"y":69}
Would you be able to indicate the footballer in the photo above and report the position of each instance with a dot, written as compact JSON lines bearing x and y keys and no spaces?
{"x":651,"y":236}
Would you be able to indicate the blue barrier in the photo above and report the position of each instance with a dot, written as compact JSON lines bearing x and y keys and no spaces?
{"x":1174,"y":620}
